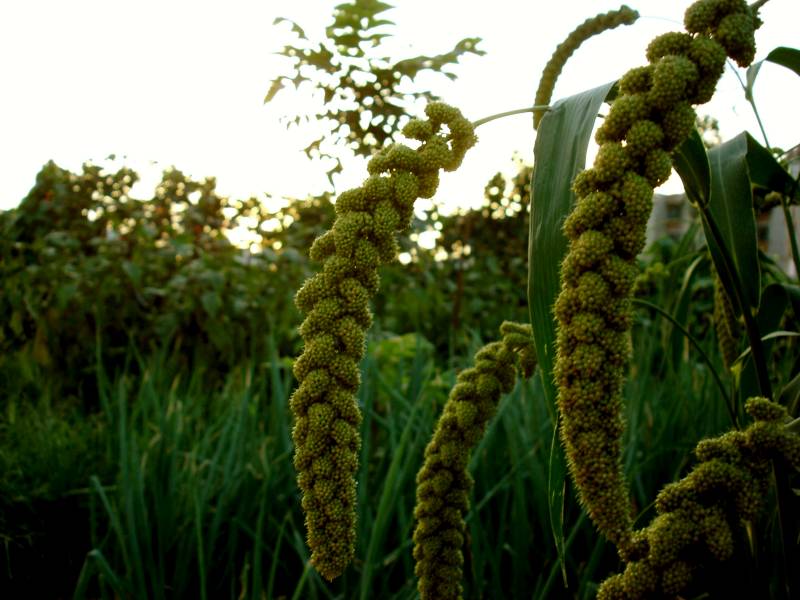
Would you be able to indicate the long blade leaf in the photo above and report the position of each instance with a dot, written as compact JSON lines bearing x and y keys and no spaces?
{"x":559,"y":154}
{"x":731,"y":208}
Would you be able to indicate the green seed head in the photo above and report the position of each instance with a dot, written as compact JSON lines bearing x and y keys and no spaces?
{"x":699,"y":515}
{"x":443,"y":483}
{"x":336,"y":303}
{"x":651,"y":116}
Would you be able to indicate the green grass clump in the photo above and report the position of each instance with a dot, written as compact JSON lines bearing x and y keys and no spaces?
{"x":194,"y":491}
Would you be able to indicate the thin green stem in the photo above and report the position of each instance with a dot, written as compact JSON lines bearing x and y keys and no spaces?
{"x":748,"y":94}
{"x":787,"y":215}
{"x":510,"y":113}
{"x":728,"y":272}
{"x":760,"y":124}
{"x":555,"y":567}
{"x":725,"y":396}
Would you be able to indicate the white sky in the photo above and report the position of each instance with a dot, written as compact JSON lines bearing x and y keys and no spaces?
{"x":181,"y":83}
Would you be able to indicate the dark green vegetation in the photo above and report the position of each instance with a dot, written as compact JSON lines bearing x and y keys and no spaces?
{"x":141,"y":348}
{"x":178,"y":489}
{"x":145,"y":376}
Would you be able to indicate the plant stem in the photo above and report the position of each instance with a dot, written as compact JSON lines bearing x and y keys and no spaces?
{"x":509,"y":113}
{"x":728,"y":272}
{"x":748,"y":94}
{"x":787,"y":215}
{"x":725,"y":396}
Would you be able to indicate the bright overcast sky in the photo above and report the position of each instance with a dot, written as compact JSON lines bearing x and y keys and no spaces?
{"x":182,"y":82}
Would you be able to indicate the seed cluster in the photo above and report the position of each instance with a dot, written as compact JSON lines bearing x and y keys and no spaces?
{"x":726,"y":324}
{"x":336,"y":301}
{"x":443,"y":482}
{"x":650,"y":117}
{"x":590,"y":27}
{"x":699,"y":515}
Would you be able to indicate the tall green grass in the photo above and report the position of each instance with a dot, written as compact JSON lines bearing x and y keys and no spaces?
{"x":191,"y":492}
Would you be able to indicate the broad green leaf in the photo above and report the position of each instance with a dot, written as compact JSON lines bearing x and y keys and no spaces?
{"x":691,"y":163}
{"x":766,"y":172}
{"x":783,"y":56}
{"x":559,"y":154}
{"x":786,"y":57}
{"x":731,"y":208}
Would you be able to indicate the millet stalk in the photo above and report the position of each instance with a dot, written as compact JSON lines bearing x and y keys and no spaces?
{"x":589,"y":28}
{"x":443,"y":482}
{"x":336,"y":302}
{"x":699,"y":516}
{"x":650,"y":117}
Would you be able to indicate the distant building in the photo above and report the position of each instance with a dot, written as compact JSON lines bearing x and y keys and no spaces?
{"x":672,"y":216}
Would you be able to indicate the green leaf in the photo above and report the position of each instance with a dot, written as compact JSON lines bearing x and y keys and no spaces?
{"x":766,"y":172}
{"x":277,"y":86}
{"x":16,"y":322}
{"x":783,"y":56}
{"x":790,"y":395}
{"x":215,"y":278}
{"x":211,"y":303}
{"x":731,"y":208}
{"x":793,"y":293}
{"x":134,"y":272}
{"x":691,"y":163}
{"x":786,"y":57}
{"x":65,"y":293}
{"x":559,"y":154}
{"x":295,"y":27}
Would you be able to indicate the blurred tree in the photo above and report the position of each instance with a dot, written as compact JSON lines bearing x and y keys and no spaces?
{"x":87,"y":271}
{"x":365,"y":94}
{"x":708,"y":127}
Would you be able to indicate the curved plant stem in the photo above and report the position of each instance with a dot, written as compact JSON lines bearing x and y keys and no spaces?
{"x":703,"y":355}
{"x":510,"y":113}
